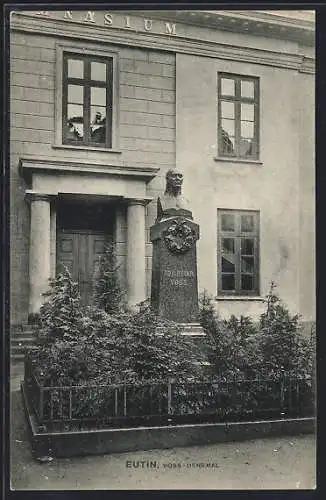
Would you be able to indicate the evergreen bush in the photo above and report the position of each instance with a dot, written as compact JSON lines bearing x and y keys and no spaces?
{"x":242,"y":348}
{"x":107,"y":290}
{"x":283,"y":347}
{"x":90,"y":346}
{"x":61,"y":311}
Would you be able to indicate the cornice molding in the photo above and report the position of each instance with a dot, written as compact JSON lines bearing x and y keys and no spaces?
{"x":257,"y":23}
{"x":127,"y":37}
{"x":308,"y":65}
{"x":28,"y":165}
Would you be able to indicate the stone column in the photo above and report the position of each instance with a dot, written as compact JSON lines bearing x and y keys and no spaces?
{"x":121,"y":242}
{"x":53,"y":236}
{"x":136,"y":241}
{"x":39,"y":251}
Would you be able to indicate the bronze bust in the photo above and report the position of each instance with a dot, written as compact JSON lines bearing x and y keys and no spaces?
{"x":172,"y":202}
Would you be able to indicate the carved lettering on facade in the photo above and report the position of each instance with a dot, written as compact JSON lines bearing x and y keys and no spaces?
{"x":148,"y":24}
{"x":118,"y":21}
{"x":170,"y":28}
{"x":108,"y":21}
{"x":90,"y":17}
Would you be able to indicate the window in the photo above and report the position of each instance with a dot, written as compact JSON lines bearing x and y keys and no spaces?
{"x":238,"y":252}
{"x":87,"y":100}
{"x":238,"y":112}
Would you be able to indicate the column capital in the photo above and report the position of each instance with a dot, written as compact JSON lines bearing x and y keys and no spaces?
{"x":138,"y":201}
{"x":37,"y":196}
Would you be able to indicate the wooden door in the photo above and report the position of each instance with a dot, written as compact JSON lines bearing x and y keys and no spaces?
{"x":79,"y":251}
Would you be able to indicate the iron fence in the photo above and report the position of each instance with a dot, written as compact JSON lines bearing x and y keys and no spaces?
{"x":170,"y":400}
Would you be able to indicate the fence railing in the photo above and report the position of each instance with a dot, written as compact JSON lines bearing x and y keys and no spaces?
{"x":170,"y":400}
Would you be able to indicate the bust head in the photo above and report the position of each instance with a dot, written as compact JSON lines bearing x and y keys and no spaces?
{"x":174,"y":181}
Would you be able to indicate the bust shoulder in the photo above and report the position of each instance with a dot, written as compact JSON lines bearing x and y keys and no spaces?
{"x":169,"y":206}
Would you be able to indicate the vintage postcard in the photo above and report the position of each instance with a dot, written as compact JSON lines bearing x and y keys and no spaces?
{"x":162,"y":215}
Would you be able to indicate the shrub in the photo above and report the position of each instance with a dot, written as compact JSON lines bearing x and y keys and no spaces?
{"x":242,"y":348}
{"x":89,"y":345}
{"x":107,"y":291}
{"x":61,"y":311}
{"x":283,"y":347}
{"x":232,"y":343}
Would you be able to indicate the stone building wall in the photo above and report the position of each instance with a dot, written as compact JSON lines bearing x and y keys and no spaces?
{"x":147,"y":133}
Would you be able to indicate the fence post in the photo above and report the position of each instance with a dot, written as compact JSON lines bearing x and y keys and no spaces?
{"x":115,"y":402}
{"x":70,"y":403}
{"x":124,"y":401}
{"x":41,"y":401}
{"x":282,"y":379}
{"x":169,"y":396}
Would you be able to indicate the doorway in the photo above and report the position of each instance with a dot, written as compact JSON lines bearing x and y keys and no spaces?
{"x":83,"y":230}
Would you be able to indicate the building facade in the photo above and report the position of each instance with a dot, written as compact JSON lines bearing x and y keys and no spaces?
{"x":103,"y":104}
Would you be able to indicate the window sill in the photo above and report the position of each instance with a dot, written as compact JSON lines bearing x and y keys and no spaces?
{"x":231,"y":159}
{"x":85,"y":148}
{"x":252,"y":298}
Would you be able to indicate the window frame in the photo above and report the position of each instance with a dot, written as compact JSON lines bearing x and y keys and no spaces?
{"x":95,"y":53}
{"x":237,"y":99}
{"x":237,"y":234}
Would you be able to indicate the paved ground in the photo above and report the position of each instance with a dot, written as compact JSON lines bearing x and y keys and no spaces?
{"x":282,"y":463}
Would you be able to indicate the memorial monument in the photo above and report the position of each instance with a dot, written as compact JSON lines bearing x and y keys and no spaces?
{"x":174,"y":269}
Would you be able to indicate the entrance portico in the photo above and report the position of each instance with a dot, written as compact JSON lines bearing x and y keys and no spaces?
{"x":123,"y":189}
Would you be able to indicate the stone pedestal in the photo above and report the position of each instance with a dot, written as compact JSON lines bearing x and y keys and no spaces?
{"x":174,"y":270}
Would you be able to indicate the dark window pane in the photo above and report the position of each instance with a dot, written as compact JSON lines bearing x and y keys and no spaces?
{"x":98,"y":96}
{"x":228,"y":245}
{"x":98,"y":124}
{"x":74,"y":132}
{"x":227,"y":143}
{"x":247,"y":246}
{"x":76,"y":94}
{"x":228,"y":281}
{"x":227,"y":109}
{"x":247,"y":282}
{"x":247,"y":223}
{"x":98,"y":71}
{"x":228,"y":264}
{"x":75,"y":68}
{"x":227,"y":86}
{"x":246,"y":148}
{"x":247,"y":264}
{"x":247,"y":89}
{"x":228,"y":126}
{"x":227,"y":221}
{"x":75,"y":122}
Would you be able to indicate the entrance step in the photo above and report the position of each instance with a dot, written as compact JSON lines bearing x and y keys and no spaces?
{"x":22,"y":337}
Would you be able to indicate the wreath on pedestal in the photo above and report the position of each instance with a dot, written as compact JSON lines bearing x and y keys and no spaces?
{"x":179,"y":237}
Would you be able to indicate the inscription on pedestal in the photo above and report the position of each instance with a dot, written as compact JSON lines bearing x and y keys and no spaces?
{"x":179,"y":278}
